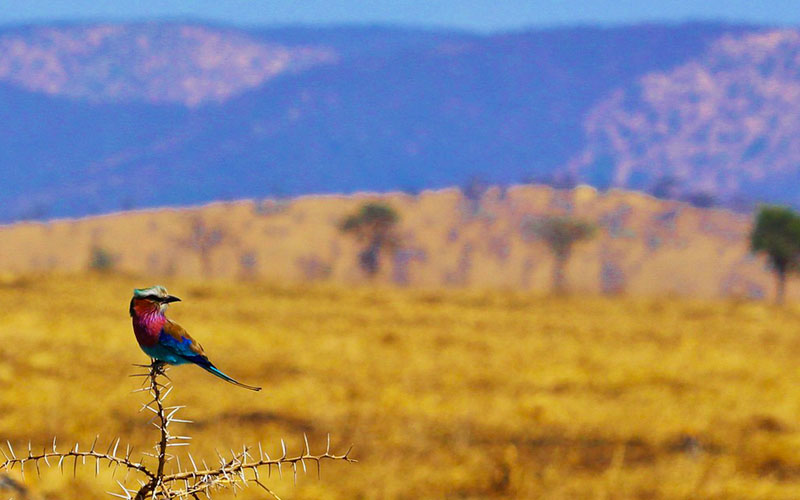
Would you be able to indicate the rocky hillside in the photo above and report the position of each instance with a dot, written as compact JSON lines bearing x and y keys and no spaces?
{"x":156,"y":63}
{"x":645,"y":246}
{"x":726,"y":123}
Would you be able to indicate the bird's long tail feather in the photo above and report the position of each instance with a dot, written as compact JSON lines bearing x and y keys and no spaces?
{"x":207,"y":366}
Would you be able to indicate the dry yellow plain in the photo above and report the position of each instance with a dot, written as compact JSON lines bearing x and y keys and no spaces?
{"x":445,"y":394}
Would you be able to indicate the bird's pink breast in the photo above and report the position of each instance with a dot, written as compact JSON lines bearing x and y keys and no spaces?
{"x":147,"y":328}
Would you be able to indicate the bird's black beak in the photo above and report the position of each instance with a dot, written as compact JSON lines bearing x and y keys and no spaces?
{"x":170,"y":298}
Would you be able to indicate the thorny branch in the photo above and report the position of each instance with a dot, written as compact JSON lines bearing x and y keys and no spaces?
{"x":110,"y":456}
{"x":186,"y":482}
{"x":163,"y":417}
{"x":232,"y":471}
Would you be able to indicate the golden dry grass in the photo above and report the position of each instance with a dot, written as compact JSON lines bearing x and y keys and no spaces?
{"x":445,"y":394}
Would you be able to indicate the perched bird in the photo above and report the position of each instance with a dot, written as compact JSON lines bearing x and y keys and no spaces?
{"x":163,"y":339}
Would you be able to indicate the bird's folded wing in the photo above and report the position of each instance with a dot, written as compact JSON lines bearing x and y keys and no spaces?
{"x":175,"y":337}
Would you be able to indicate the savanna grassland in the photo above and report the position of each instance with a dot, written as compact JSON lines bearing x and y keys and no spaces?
{"x":645,"y":246}
{"x":445,"y":394}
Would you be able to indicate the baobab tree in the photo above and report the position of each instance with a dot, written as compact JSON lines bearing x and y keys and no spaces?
{"x":374,"y":225}
{"x":560,"y":233}
{"x":776,"y":232}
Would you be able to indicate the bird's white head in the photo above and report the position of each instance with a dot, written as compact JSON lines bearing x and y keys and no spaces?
{"x":155,"y":297}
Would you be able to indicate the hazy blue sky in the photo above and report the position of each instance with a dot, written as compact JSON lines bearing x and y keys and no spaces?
{"x":485,"y":15}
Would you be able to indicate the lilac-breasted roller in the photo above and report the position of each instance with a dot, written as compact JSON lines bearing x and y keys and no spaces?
{"x":163,"y":339}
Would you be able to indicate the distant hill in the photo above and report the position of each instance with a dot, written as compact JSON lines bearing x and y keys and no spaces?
{"x":54,"y":152}
{"x":725,"y":123}
{"x":645,"y":246}
{"x":105,"y":117}
{"x":504,"y":108}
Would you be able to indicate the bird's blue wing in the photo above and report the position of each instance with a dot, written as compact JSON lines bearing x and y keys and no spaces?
{"x":179,"y":346}
{"x":184,"y":349}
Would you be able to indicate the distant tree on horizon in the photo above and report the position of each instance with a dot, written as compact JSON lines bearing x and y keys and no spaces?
{"x":776,"y":232}
{"x":374,"y":225}
{"x":203,"y":239}
{"x":560,"y":233}
{"x":101,"y":260}
{"x":473,"y":192}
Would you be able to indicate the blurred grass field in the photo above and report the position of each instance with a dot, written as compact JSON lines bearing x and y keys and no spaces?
{"x":445,"y":394}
